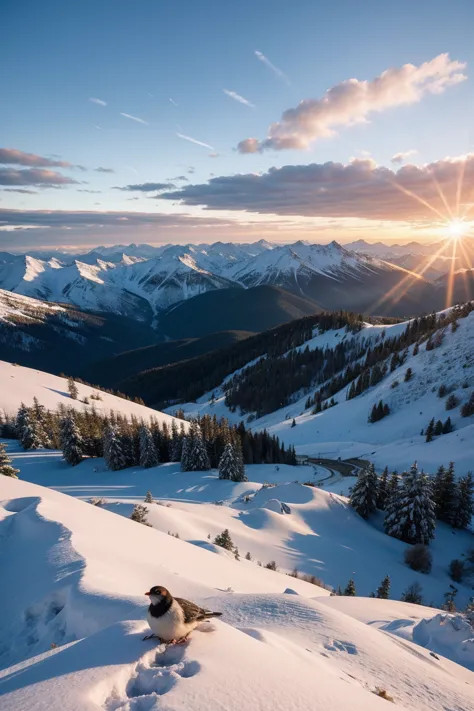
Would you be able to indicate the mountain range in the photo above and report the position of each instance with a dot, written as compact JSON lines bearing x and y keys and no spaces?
{"x":145,"y":282}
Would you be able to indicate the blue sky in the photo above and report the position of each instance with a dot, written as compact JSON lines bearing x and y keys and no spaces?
{"x":135,"y":56}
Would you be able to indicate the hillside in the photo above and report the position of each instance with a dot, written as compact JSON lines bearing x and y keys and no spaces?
{"x":111,"y":371}
{"x":78,"y":631}
{"x":61,"y":338}
{"x":256,"y":309}
{"x":20,"y":385}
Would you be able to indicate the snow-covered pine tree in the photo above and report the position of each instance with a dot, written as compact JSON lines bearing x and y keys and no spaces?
{"x":228,"y":463}
{"x":30,"y":438}
{"x":176,"y":444}
{"x":383,"y":490}
{"x":430,"y":430}
{"x":224,"y":540}
{"x":383,"y":590}
{"x":241,"y":475}
{"x":411,"y":513}
{"x":148,"y":454}
{"x":197,"y":459}
{"x":113,"y":452}
{"x":445,"y":495}
{"x":71,"y":441}
{"x":139,"y":514}
{"x":148,"y":497}
{"x":350,"y":588}
{"x":22,"y":418}
{"x":185,"y":452}
{"x":464,"y":505}
{"x":364,"y":492}
{"x":5,"y":463}
{"x":72,"y":387}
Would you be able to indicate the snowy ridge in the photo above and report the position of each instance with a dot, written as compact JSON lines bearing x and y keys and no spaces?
{"x":273,"y":649}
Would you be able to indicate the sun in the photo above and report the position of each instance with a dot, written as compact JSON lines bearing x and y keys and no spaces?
{"x":456,"y":229}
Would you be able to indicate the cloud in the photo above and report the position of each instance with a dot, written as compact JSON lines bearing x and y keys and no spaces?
{"x":134,"y":118}
{"x":173,"y":102}
{"x":239,"y":98}
{"x":281,"y":75}
{"x":359,"y":189}
{"x":191,"y":170}
{"x":214,"y":155}
{"x":100,"y":102}
{"x":193,"y":140}
{"x":34,"y":176}
{"x":12,"y":156}
{"x":91,"y":192}
{"x":20,"y":190}
{"x":104,"y":170}
{"x":179,"y":177}
{"x":399,"y":158}
{"x":353,"y":101}
{"x":146,"y":187}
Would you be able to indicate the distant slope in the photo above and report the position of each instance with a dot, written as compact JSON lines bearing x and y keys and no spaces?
{"x":19,"y":385}
{"x":255,"y":309}
{"x":61,"y":338}
{"x":111,"y":371}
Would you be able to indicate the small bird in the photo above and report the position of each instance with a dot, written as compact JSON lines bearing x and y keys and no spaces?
{"x":171,"y":619}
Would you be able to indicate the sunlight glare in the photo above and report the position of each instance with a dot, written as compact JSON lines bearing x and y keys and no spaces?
{"x":456,"y":229}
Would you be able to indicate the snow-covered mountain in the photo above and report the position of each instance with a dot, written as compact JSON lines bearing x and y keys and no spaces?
{"x":139,"y":281}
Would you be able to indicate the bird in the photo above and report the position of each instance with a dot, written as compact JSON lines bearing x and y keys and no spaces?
{"x":171,"y":619}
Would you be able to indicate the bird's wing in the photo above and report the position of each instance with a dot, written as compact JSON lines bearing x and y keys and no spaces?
{"x":192,"y":612}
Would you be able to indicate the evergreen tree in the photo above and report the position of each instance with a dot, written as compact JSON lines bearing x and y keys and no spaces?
{"x":139,"y":514}
{"x":70,"y":439}
{"x":408,"y":374}
{"x":113,"y":450}
{"x":430,"y":430}
{"x":185,"y":450}
{"x":447,"y":426}
{"x":438,"y":489}
{"x":30,"y":438}
{"x":148,"y":455}
{"x":228,"y":468}
{"x":248,"y":556}
{"x":72,"y":388}
{"x":148,"y":498}
{"x":445,"y":496}
{"x":197,"y":458}
{"x":293,"y":423}
{"x":383,"y":490}
{"x":438,"y":428}
{"x":464,"y":504}
{"x":411,"y":514}
{"x":413,"y":594}
{"x":364,"y":492}
{"x":383,"y":590}
{"x":5,"y":463}
{"x":38,"y":414}
{"x":392,"y":487}
{"x":224,"y":540}
{"x":350,"y":588}
{"x":22,"y":418}
{"x":468,"y":408}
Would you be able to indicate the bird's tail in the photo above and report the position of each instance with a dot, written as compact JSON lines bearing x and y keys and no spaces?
{"x":208,"y":615}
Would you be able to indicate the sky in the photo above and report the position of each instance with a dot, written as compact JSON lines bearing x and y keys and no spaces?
{"x":131,"y":121}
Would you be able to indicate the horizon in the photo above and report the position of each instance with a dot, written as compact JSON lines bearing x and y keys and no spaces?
{"x":156,"y":134}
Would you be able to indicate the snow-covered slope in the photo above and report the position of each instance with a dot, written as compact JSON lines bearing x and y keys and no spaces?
{"x":74,"y":611}
{"x":343,"y":431}
{"x":19,"y":384}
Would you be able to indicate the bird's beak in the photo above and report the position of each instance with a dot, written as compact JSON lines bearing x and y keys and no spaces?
{"x":147,"y":593}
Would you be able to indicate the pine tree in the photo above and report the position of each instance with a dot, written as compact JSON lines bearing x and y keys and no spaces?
{"x":408,"y":374}
{"x":413,"y":594}
{"x":113,"y":451}
{"x":72,"y":388}
{"x":383,"y":490}
{"x":22,"y":418}
{"x":438,"y":428}
{"x":148,"y":455}
{"x":148,"y":498}
{"x":293,"y":423}
{"x":364,"y":492}
{"x":430,"y":430}
{"x":350,"y":588}
{"x":5,"y":463}
{"x":139,"y":514}
{"x":30,"y":438}
{"x":197,"y":459}
{"x":248,"y":556}
{"x":224,"y":540}
{"x":464,"y":504}
{"x":447,"y":426}
{"x":228,"y":468}
{"x":383,"y":590}
{"x":393,"y":486}
{"x":70,"y":439}
{"x":438,"y":488}
{"x":411,"y":514}
{"x":38,"y":414}
{"x":445,"y":496}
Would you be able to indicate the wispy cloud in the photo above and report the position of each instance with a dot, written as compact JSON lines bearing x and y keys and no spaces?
{"x":146,"y":187}
{"x":99,"y":102}
{"x":20,"y":190}
{"x":399,"y":158}
{"x":34,"y":176}
{"x":239,"y":98}
{"x":193,"y":140}
{"x":91,"y":192}
{"x":104,"y":170}
{"x":12,"y":156}
{"x":134,"y":118}
{"x":278,"y":72}
{"x":99,"y":128}
{"x":352,"y":102}
{"x":173,"y":102}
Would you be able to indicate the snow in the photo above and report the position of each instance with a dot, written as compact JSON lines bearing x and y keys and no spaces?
{"x":74,"y":610}
{"x":19,"y":384}
{"x":311,"y":529}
